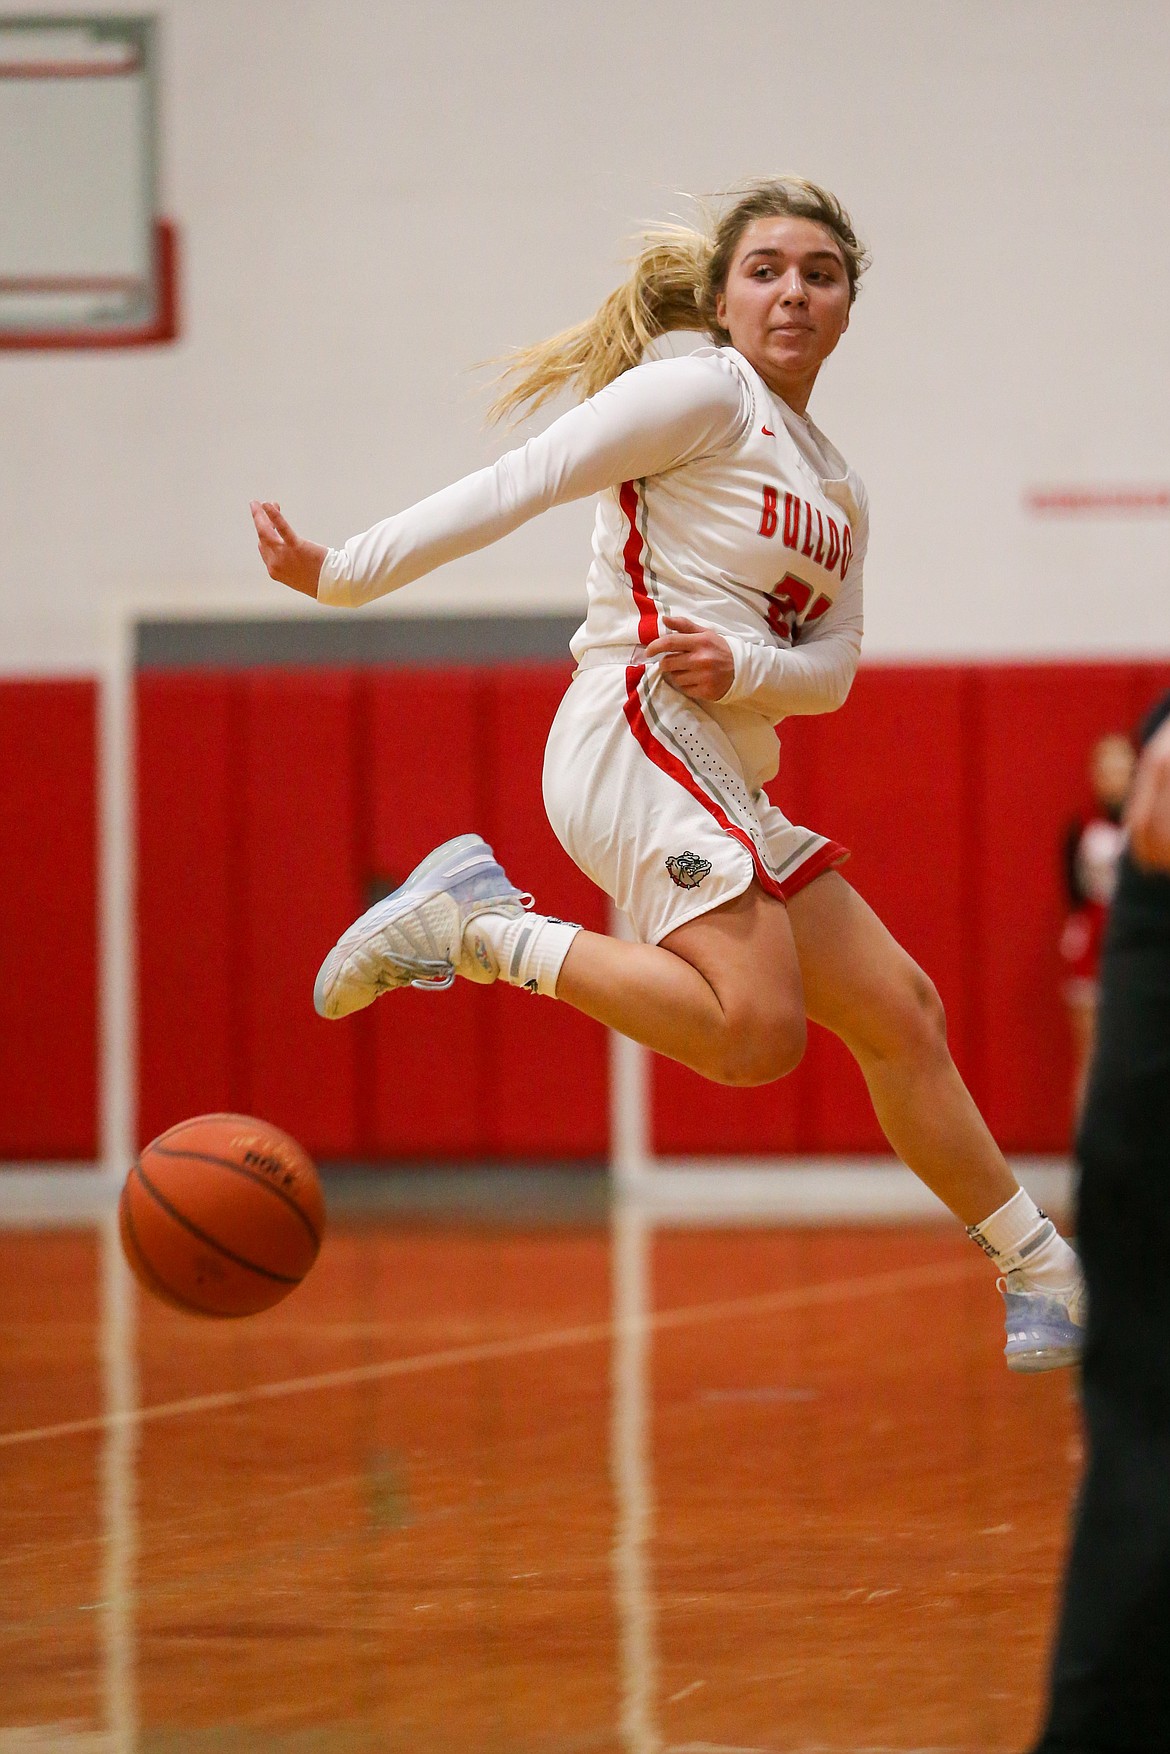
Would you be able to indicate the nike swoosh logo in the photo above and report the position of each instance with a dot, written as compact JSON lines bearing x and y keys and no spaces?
{"x":767,"y":431}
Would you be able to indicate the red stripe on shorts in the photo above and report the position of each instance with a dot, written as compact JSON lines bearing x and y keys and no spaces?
{"x":670,"y":764}
{"x":632,"y":558}
{"x":826,"y":857}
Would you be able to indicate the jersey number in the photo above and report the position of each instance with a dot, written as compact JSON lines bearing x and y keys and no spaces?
{"x":787,"y":603}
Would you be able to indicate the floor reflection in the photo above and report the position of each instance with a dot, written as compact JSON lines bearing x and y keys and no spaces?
{"x":489,"y":1486}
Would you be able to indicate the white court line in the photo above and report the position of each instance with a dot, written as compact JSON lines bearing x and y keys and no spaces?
{"x":553,"y":1339}
{"x":119,"y":1491}
{"x":631,"y":1471}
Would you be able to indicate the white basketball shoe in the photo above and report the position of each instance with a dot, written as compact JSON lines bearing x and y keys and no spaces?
{"x":1045,"y":1329}
{"x":415,"y":936}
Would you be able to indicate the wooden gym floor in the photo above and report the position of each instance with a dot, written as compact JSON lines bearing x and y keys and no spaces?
{"x":488,"y":1487}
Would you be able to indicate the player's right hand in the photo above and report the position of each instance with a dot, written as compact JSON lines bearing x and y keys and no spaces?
{"x":694,"y":659}
{"x":289,"y":558}
{"x":1147,"y":814}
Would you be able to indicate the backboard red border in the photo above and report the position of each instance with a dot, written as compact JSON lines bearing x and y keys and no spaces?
{"x":163,"y":327}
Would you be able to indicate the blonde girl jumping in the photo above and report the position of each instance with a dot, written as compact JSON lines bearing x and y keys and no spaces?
{"x":724,"y":593}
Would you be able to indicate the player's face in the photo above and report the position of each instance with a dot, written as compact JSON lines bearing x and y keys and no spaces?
{"x":786,"y":302}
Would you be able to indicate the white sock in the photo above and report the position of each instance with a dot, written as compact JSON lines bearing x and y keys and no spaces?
{"x":1019,"y":1237}
{"x":525,"y":950}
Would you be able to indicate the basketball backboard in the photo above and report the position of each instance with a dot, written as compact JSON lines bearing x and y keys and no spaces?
{"x":85,"y":258}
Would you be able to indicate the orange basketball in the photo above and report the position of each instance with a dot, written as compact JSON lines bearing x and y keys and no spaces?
{"x":222,"y":1215}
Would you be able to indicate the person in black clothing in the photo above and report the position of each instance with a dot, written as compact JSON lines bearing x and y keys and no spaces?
{"x":1110,"y":1682}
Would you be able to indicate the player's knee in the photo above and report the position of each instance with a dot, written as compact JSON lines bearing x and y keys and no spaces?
{"x":908,"y":1024}
{"x":923,"y":1019}
{"x":760,"y":1051}
{"x":930,"y":1005}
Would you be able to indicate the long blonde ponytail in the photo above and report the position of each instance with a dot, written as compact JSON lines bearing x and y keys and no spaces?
{"x":673,"y":284}
{"x":663,"y":291}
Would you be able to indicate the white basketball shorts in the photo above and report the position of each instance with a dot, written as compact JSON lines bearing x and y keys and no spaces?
{"x":662,"y":804}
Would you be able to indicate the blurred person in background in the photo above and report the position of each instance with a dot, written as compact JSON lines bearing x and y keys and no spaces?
{"x":1110,"y":1685}
{"x":1092,"y":851}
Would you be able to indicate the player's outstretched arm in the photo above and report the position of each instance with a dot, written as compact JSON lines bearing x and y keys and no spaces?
{"x":652,"y":418}
{"x":1147,"y":814}
{"x":290,"y":559}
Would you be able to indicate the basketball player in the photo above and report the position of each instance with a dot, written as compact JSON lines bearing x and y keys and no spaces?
{"x":725,"y":592}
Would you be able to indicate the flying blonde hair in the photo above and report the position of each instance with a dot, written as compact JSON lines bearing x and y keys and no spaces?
{"x":673,"y":283}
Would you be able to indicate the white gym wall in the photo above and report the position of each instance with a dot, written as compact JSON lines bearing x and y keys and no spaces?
{"x":374,"y":196}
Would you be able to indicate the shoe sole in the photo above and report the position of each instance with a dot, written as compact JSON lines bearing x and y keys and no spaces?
{"x":1055,"y":1358}
{"x":369,"y":924}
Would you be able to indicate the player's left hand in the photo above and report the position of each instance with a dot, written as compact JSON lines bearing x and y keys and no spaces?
{"x":290,"y":559}
{"x":695,"y":660}
{"x":1147,"y":814}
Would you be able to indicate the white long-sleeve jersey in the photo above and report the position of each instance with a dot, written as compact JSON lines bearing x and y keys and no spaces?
{"x":717,"y":502}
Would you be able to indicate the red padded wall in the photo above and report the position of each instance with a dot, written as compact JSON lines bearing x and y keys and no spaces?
{"x":1034,"y":728}
{"x":892,"y":778}
{"x":893,"y":783}
{"x":48,"y":920}
{"x":248,"y":791}
{"x":301,"y":834}
{"x":304,"y":788}
{"x":427,"y":1093}
{"x":692,"y":1117}
{"x":189,"y":938}
{"x":953,"y":786}
{"x":1147,"y":684}
{"x":546,"y":1064}
{"x":269,"y":800}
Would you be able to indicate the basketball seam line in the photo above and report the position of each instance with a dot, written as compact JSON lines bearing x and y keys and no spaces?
{"x":156,"y":1279}
{"x":241,"y":1169}
{"x":240,"y":1260}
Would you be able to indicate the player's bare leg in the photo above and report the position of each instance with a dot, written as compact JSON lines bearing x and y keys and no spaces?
{"x":861,"y":984}
{"x":725,"y":998}
{"x":727,"y":995}
{"x":722,"y":993}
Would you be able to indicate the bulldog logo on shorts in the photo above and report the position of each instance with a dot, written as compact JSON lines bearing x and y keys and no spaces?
{"x":687,"y":869}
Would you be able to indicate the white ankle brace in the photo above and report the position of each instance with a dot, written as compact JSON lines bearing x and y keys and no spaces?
{"x":1020,"y":1237}
{"x":526,"y":951}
